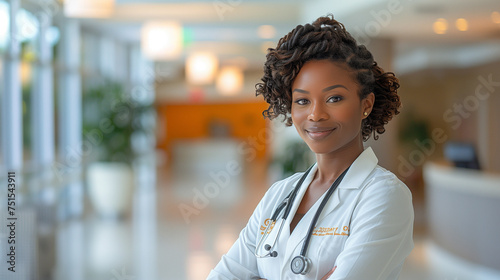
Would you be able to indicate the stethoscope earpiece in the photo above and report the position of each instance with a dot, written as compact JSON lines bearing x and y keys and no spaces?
{"x":273,"y":254}
{"x":300,"y":265}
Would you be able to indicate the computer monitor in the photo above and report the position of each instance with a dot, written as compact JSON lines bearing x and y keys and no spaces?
{"x":461,"y":154}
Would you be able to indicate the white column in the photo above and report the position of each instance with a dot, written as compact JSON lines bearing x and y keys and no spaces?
{"x":12,"y":141}
{"x":43,"y":103}
{"x":43,"y":146}
{"x":71,"y":237}
{"x":70,"y":119}
{"x":107,"y":56}
{"x":121,"y":61}
{"x":144,"y":218}
{"x":141,"y":75}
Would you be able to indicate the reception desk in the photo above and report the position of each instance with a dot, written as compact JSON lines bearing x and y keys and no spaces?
{"x":463,"y":209}
{"x":208,"y":171}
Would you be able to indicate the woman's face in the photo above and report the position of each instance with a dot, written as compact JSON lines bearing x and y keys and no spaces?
{"x":326,"y":108}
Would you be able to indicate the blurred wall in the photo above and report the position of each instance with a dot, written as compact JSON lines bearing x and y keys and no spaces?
{"x":463,"y":103}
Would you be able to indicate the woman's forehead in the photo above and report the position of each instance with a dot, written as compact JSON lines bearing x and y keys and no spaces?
{"x":317,"y":73}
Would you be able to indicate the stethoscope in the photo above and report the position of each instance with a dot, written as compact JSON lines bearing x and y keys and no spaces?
{"x":300,"y":264}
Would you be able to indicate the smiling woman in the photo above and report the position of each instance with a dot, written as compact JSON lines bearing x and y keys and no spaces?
{"x":354,"y":216}
{"x":328,"y":115}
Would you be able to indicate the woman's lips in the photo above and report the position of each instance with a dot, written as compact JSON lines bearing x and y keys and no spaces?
{"x":319,"y":134}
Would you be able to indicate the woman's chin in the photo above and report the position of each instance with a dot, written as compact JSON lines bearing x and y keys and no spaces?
{"x":320,"y":150}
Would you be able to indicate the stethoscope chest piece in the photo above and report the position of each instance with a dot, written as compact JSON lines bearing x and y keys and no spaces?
{"x":300,"y":265}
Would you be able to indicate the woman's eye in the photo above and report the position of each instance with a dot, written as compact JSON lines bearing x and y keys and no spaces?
{"x":301,"y":101}
{"x":334,"y":99}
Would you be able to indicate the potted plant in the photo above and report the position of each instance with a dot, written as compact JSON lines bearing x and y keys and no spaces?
{"x":296,"y":158}
{"x":413,"y":129}
{"x":108,"y":126}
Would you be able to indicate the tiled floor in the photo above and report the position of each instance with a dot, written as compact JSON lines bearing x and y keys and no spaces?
{"x":157,"y":242}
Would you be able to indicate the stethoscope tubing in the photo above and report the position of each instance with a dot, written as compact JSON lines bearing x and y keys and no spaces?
{"x":287,"y":203}
{"x":291,"y":199}
{"x":329,"y":193}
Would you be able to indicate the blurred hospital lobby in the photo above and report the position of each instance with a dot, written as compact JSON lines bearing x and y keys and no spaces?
{"x":133,"y":145}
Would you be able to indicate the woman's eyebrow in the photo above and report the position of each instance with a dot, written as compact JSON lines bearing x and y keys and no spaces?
{"x":332,"y":87}
{"x":300,"y":90}
{"x":324,"y":90}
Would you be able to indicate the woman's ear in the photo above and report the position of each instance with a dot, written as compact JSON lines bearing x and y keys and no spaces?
{"x":367,"y":104}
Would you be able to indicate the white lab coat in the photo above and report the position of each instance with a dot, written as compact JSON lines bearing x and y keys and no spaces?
{"x":365,"y":229}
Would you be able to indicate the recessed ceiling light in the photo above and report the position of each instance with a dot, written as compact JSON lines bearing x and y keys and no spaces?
{"x":440,"y":26}
{"x":462,"y":24}
{"x":266,"y":31}
{"x":230,"y":80}
{"x":89,"y":9}
{"x":495,"y":17}
{"x":161,"y":40}
{"x":201,"y":68}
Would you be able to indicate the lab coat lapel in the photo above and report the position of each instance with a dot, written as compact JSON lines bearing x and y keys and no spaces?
{"x":353,"y":179}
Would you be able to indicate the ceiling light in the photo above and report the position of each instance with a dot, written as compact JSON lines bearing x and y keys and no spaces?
{"x":230,"y":80}
{"x":161,"y":40}
{"x":495,"y":17}
{"x":266,"y":31}
{"x":440,"y":26}
{"x":89,"y":8}
{"x":462,"y":24}
{"x":201,"y":68}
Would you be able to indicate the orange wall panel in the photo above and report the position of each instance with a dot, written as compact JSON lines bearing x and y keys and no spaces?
{"x":193,"y":121}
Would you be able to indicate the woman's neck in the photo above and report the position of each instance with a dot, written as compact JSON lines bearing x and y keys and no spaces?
{"x":331,"y":165}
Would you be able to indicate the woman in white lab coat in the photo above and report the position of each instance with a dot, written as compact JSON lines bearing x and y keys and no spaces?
{"x":336,"y":96}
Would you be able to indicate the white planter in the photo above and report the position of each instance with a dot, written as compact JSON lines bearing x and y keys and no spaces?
{"x":110,"y":188}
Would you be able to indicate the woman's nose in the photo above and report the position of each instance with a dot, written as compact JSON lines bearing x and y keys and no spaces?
{"x":317,"y":113}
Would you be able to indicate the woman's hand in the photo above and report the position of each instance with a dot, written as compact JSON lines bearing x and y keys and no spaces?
{"x":328,"y":274}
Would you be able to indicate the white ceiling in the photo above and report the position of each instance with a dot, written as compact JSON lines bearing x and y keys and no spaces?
{"x":229,"y":27}
{"x":408,"y":18}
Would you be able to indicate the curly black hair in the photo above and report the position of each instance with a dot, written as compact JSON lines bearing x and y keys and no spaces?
{"x":327,"y":38}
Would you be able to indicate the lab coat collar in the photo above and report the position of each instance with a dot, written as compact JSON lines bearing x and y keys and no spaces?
{"x":354,"y":178}
{"x":359,"y":170}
